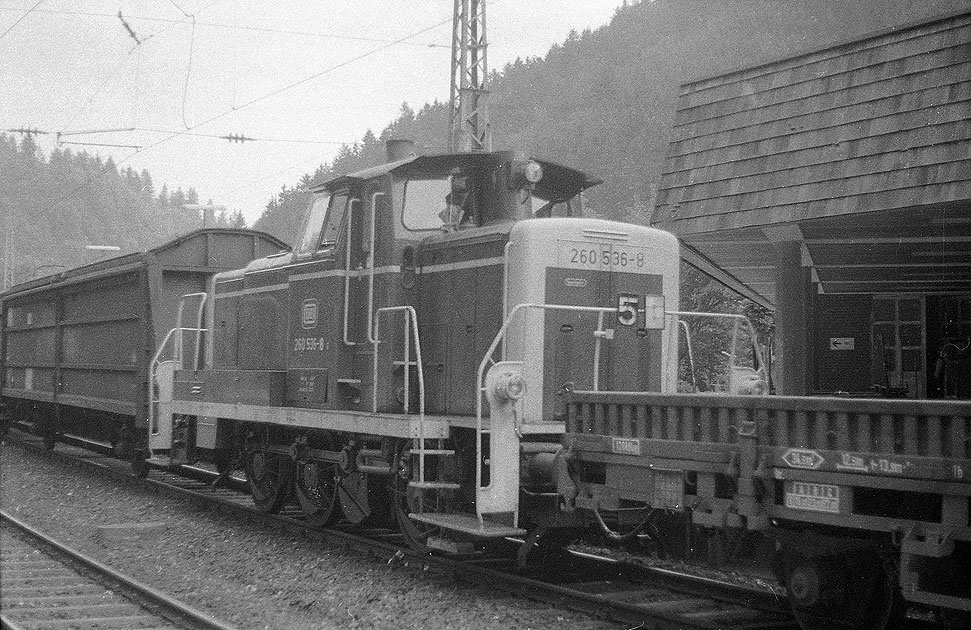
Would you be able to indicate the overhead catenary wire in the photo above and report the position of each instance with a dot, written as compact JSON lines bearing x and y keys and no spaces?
{"x":232,"y":137}
{"x":21,"y":18}
{"x":287,"y":87}
{"x":249,"y":103}
{"x":172,"y":2}
{"x":131,"y":31}
{"x":256,"y":29}
{"x":77,"y":111}
{"x":101,"y":144}
{"x":188,"y":68}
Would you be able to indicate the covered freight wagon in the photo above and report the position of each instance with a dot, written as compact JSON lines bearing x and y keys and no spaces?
{"x":76,"y":345}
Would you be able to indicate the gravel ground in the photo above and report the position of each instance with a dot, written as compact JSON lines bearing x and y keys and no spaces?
{"x":248,"y":575}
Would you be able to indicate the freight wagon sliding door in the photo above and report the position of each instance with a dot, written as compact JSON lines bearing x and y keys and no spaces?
{"x":101,"y":345}
{"x":30,"y":328}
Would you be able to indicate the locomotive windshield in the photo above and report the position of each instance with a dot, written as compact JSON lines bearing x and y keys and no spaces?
{"x":543,"y":208}
{"x":323,"y":223}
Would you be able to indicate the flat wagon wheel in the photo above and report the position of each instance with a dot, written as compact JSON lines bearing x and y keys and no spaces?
{"x":855,"y":590}
{"x":315,"y":484}
{"x":270,"y":476}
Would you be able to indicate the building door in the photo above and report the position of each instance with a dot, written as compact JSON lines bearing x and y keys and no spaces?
{"x":949,"y":346}
{"x":898,"y":338}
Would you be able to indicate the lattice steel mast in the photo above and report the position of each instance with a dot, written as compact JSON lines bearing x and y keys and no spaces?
{"x":468,"y":124}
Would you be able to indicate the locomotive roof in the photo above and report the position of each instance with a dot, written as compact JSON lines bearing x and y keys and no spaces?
{"x":557,"y":178}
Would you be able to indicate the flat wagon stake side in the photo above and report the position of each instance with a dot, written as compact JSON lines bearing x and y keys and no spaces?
{"x":865,"y":498}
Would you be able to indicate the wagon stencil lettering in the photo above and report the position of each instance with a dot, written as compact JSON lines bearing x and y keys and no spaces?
{"x":803,"y":458}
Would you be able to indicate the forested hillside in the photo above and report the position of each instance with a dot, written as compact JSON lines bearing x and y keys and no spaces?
{"x":54,"y":206}
{"x":604,"y":100}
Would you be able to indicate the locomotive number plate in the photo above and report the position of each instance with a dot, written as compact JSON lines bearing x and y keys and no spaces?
{"x":813,"y":497}
{"x":588,"y":255}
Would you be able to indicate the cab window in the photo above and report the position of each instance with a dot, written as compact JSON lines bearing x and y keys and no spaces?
{"x":437,"y":203}
{"x":545,"y":208}
{"x":323,"y":223}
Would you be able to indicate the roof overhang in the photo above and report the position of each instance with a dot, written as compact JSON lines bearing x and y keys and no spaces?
{"x":918,"y":250}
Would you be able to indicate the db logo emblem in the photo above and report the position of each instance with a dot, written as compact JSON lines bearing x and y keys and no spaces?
{"x":308,"y":315}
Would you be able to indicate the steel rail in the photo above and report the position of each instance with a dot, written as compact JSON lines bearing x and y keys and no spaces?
{"x":611,"y":578}
{"x":155,"y":602}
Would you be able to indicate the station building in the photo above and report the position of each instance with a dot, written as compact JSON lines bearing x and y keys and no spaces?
{"x":835,"y":187}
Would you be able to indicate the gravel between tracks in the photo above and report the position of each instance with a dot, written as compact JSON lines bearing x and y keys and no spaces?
{"x":248,"y":575}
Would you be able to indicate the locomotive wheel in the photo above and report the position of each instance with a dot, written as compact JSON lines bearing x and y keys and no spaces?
{"x":270,"y":477}
{"x":315,"y":486}
{"x":547,"y":546}
{"x":857,"y":590}
{"x":47,"y":431}
{"x":139,"y":465}
{"x":316,"y":489}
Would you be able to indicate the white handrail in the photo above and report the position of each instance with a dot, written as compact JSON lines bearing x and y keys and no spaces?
{"x":370,"y":264}
{"x":156,"y":361}
{"x":411,"y":329}
{"x":505,"y":285}
{"x":601,"y":311}
{"x":347,"y":269}
{"x":480,"y":373}
{"x":738,"y":319}
{"x":153,"y":426}
{"x":199,"y":329}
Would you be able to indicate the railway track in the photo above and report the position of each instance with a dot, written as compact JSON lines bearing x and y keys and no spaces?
{"x":47,"y":585}
{"x":638,"y":596}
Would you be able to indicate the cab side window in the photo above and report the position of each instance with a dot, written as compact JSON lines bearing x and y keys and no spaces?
{"x":423,"y":200}
{"x":323,"y":223}
{"x":438,"y":203}
{"x":332,"y":223}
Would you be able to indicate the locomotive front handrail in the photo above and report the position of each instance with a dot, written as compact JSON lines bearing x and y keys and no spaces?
{"x":599,"y":334}
{"x":487,"y":359}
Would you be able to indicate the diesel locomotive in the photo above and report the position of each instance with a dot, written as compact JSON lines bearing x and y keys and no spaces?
{"x":408,"y":358}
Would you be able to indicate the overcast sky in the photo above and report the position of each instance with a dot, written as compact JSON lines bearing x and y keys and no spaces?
{"x":69,"y":65}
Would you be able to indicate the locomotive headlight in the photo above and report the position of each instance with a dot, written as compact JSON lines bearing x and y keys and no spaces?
{"x":532,"y":172}
{"x":525,"y":174}
{"x":509,"y":386}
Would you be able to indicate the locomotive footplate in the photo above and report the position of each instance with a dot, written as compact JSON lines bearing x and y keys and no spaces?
{"x":360,"y":422}
{"x":469,"y":524}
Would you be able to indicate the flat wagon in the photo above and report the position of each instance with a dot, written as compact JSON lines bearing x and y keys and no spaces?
{"x":76,"y":345}
{"x":867,"y":500}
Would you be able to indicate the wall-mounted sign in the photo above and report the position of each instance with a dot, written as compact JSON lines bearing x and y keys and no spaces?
{"x":842,"y":343}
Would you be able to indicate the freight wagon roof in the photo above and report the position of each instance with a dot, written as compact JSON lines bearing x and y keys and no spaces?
{"x":168,"y":251}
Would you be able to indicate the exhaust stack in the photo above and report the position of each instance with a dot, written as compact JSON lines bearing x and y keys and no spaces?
{"x":399,"y":149}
